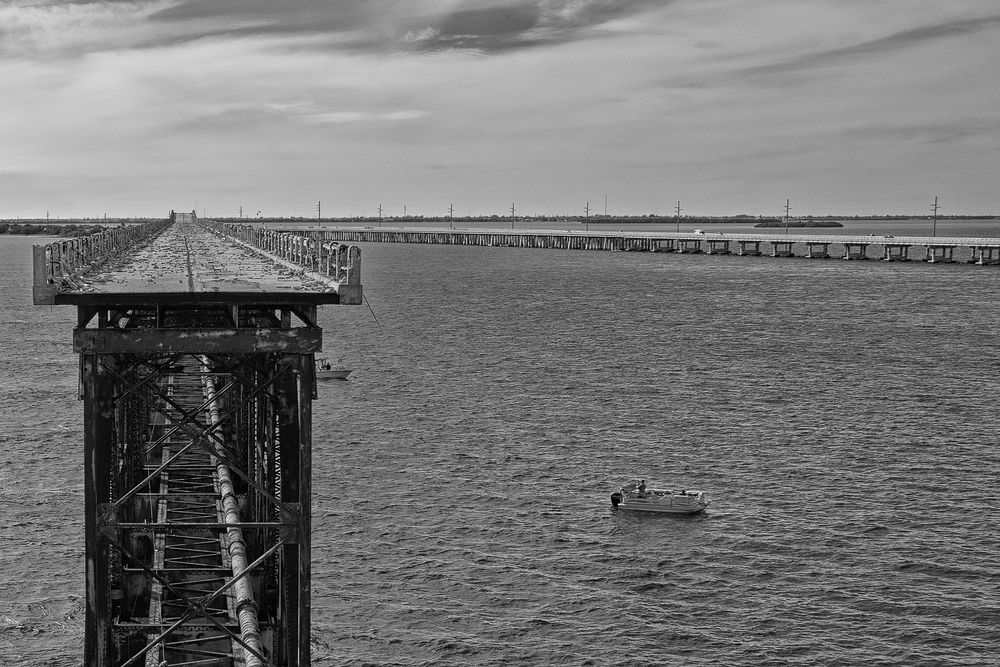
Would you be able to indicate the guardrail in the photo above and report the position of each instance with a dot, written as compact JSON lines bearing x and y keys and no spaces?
{"x":337,"y":264}
{"x":57,"y":265}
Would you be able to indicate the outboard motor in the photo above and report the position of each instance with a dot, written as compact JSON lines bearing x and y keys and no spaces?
{"x":616,"y":498}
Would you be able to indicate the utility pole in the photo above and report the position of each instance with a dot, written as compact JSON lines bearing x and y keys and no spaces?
{"x":935,"y":209}
{"x":319,"y":210}
{"x":451,"y":216}
{"x":605,"y":206}
{"x":677,"y":215}
{"x":586,"y":213}
{"x":786,"y":216}
{"x":241,"y":211}
{"x":512,"y":215}
{"x":380,"y":215}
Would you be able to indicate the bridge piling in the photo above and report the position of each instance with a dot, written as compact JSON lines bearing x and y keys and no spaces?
{"x":782,"y":248}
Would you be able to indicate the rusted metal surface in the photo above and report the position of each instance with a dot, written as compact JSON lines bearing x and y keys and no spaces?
{"x":198,"y":508}
{"x":192,"y":341}
{"x":197,"y":375}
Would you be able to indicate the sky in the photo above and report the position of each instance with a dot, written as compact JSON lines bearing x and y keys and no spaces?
{"x":844,"y":107}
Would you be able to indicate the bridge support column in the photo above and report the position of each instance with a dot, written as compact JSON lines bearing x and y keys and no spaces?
{"x":939,"y":253}
{"x":984,"y":254}
{"x":689,"y":245}
{"x":782,"y":249}
{"x":718,"y":246}
{"x":817,"y":250}
{"x":855,"y":250}
{"x":753,"y":245}
{"x":896,"y":252}
{"x":98,"y":466}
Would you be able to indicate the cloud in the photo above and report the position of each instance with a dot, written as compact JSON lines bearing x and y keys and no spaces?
{"x":30,"y":29}
{"x":865,"y":50}
{"x":550,"y":102}
{"x":357,"y":116}
{"x":364,"y":26}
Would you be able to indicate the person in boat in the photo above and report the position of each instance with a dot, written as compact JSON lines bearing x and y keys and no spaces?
{"x":642,"y":487}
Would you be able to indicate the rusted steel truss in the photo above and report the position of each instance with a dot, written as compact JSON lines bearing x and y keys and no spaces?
{"x":197,"y":464}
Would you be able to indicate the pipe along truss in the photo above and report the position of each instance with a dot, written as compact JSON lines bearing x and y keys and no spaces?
{"x":198,"y":545}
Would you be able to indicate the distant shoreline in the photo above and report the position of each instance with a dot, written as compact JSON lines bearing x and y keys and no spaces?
{"x":86,"y":226}
{"x":49,"y":229}
{"x":795,"y":224}
{"x":609,"y":220}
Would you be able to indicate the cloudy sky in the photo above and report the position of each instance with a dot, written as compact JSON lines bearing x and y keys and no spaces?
{"x":730,"y":106}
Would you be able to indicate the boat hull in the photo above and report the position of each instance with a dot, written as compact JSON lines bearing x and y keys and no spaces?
{"x":660,"y":509}
{"x":660,"y":501}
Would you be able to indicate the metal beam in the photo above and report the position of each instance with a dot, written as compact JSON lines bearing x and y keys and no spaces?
{"x":197,"y":341}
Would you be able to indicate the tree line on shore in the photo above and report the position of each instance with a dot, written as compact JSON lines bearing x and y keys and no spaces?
{"x":35,"y":229}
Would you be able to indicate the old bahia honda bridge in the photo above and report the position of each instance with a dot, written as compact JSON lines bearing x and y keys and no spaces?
{"x":197,"y":375}
{"x":196,"y":343}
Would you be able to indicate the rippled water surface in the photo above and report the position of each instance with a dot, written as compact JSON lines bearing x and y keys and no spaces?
{"x":842,"y":416}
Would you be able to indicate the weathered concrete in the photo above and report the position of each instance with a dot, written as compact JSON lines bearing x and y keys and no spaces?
{"x":191,"y":257}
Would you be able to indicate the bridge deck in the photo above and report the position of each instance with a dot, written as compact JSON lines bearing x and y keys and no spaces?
{"x":814,"y":235}
{"x":195,"y":262}
{"x":187,"y":257}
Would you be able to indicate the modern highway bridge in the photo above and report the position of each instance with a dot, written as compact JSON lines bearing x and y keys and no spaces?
{"x":196,"y":352}
{"x":817,"y":245}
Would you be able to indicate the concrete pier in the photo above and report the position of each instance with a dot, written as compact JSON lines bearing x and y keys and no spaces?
{"x":855,"y":250}
{"x":940,"y":253}
{"x":818,"y":250}
{"x":718,"y":246}
{"x":983,"y":254}
{"x":896,"y":252}
{"x":782,"y":248}
{"x":751,"y":248}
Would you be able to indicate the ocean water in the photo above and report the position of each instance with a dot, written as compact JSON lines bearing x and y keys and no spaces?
{"x":841,"y":415}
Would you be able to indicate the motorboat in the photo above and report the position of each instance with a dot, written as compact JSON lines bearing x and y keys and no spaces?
{"x":638,"y":497}
{"x":326,"y":371}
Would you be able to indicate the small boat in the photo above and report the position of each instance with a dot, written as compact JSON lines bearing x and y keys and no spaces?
{"x":636,"y":496}
{"x":326,"y":371}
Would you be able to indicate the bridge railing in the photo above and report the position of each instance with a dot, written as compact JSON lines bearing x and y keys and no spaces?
{"x":58,"y":264}
{"x":336,"y":262}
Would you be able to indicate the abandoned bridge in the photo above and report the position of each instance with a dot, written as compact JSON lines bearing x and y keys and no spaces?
{"x":197,"y":373}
